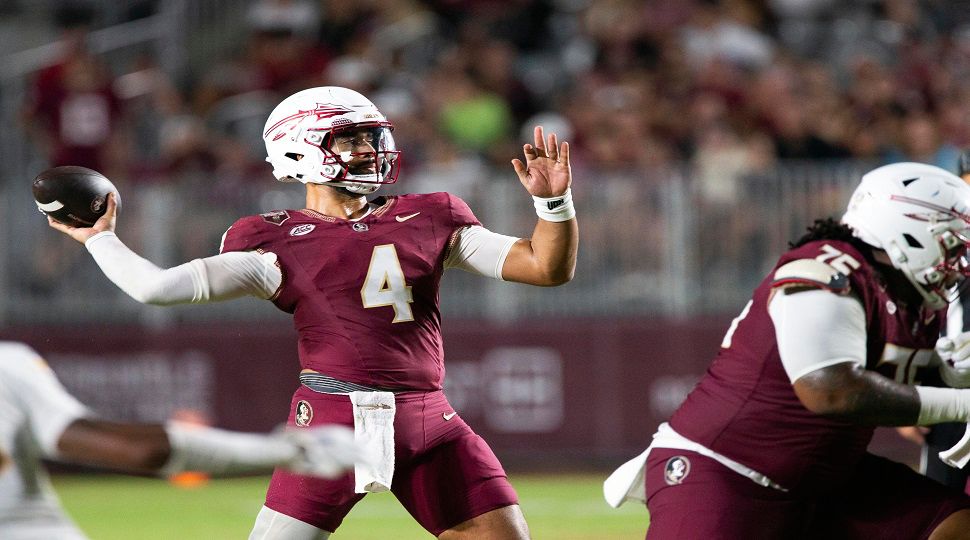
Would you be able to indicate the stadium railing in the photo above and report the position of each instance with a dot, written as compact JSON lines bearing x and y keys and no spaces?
{"x":652,"y":243}
{"x":669,"y":241}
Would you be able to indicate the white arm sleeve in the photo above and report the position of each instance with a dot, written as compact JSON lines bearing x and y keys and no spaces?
{"x":47,"y":407}
{"x":816,"y":329}
{"x":220,"y":277}
{"x":480,"y":251}
{"x":216,"y":451}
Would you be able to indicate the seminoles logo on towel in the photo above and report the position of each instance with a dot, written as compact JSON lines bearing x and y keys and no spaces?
{"x":676,"y":469}
{"x":304,"y":413}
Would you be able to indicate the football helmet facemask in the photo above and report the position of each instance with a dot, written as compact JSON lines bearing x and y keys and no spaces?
{"x":331,"y":135}
{"x":920,"y":216}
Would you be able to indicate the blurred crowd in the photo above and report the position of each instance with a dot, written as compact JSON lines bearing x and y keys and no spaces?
{"x":634,"y":84}
{"x":639,"y":88}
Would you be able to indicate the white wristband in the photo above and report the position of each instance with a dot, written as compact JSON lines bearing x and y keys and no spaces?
{"x":557,"y":209}
{"x":942,"y":405}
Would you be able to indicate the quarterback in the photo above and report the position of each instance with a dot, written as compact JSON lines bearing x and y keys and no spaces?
{"x":839,"y":338}
{"x":360,"y":277}
{"x":40,"y":420}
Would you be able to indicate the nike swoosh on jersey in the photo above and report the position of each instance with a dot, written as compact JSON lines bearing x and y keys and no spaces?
{"x":402,"y":219}
{"x":448,"y":416}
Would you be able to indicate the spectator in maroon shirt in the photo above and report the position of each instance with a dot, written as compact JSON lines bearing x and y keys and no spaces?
{"x":72,"y":112}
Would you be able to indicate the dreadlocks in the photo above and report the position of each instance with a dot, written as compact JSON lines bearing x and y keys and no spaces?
{"x":830,"y":229}
{"x":826,"y":229}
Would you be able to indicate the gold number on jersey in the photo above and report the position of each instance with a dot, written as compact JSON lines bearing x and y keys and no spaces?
{"x":842,"y":262}
{"x":726,"y":342}
{"x":385,"y":285}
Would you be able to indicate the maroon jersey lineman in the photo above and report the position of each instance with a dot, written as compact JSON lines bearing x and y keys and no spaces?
{"x":364,"y":294}
{"x":756,"y":418}
{"x":745,"y":409}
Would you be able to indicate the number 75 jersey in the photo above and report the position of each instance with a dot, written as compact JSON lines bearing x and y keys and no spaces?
{"x":363,"y":294}
{"x":745,"y":407}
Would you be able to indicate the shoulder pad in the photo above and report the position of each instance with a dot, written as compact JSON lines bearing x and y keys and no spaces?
{"x":810,"y":273}
{"x":276,"y":217}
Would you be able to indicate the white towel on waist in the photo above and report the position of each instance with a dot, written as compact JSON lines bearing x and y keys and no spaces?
{"x":374,"y":430}
{"x":626,"y":482}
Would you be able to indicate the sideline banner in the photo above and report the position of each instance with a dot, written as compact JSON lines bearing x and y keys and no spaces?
{"x":590,"y":391}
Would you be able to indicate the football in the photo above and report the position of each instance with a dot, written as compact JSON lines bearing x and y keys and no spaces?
{"x":74,"y":196}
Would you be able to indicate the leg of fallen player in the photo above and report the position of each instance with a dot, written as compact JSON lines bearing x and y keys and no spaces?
{"x":505,"y":523}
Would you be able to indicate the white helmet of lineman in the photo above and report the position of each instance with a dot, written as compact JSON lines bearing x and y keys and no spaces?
{"x":300,"y":135}
{"x":920,"y":216}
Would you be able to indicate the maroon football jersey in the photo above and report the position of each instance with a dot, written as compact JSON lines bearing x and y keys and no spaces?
{"x":364,"y":294}
{"x":746,"y":409}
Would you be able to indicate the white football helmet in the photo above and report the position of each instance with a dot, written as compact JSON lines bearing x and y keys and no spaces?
{"x":301,"y":131}
{"x":920,"y":216}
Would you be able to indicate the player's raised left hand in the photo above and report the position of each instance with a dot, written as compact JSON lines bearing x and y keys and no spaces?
{"x":81,"y":234}
{"x":546,"y":171}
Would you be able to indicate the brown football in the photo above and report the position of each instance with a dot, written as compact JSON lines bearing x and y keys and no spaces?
{"x":75,"y":196}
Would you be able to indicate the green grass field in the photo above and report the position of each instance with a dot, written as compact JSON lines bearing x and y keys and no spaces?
{"x":560,"y":507}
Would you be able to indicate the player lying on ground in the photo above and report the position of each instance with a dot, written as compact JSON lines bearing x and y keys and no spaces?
{"x":361,"y":280}
{"x":837,"y":339}
{"x":40,"y":420}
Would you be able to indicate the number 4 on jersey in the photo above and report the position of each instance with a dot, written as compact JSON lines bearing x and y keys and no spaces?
{"x":385,"y":285}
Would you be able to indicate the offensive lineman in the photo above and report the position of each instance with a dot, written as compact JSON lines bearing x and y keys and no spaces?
{"x":361,"y":279}
{"x":39,"y":419}
{"x":836,"y":340}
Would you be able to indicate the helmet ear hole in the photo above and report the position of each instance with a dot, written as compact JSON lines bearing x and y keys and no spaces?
{"x":913,"y":242}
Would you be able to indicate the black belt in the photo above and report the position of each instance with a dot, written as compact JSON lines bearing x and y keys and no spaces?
{"x":318,"y":382}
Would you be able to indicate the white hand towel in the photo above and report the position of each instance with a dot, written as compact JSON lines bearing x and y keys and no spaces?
{"x":626,"y":482}
{"x":374,"y":430}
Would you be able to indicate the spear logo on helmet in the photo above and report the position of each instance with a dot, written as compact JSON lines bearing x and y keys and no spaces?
{"x":321,"y":111}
